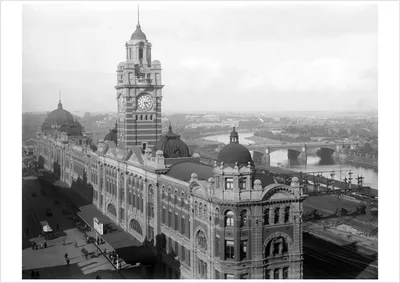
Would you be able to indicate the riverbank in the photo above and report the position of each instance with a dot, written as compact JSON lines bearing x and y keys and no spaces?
{"x":357,"y":160}
{"x":260,"y":140}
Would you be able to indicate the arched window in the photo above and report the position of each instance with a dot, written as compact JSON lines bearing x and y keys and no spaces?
{"x":266,"y":216}
{"x":200,"y":209}
{"x":111,"y":209}
{"x":205,"y":211}
{"x":182,"y":200}
{"x":242,"y":183}
{"x":201,"y":241}
{"x":229,"y":218}
{"x":287,"y":213}
{"x":243,"y":218}
{"x":134,"y":224}
{"x":216,"y":216}
{"x":141,"y":117}
{"x":276,"y":215}
{"x":277,"y":247}
{"x":140,"y":53}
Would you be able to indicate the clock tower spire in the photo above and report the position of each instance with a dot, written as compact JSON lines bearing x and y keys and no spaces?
{"x":139,"y":94}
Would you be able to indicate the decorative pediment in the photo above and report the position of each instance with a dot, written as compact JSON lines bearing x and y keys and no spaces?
{"x":136,"y":156}
{"x":279,"y":191}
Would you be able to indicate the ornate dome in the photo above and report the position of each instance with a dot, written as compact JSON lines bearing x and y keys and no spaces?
{"x":112,"y":135}
{"x":138,"y":34}
{"x":62,"y":120}
{"x":234,"y":152}
{"x":60,"y":117}
{"x":172,"y":145}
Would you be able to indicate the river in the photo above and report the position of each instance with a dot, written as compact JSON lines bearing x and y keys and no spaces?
{"x":313,"y":164}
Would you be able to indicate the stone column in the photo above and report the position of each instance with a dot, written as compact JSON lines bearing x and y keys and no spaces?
{"x":103,"y":178}
{"x":145,"y":212}
{"x":126,"y":200}
{"x":99,"y":189}
{"x":157,"y":212}
{"x":118,"y":196}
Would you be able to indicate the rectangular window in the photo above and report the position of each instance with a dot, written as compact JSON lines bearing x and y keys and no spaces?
{"x":176,"y":222}
{"x":287,"y":211}
{"x":171,"y":245}
{"x":276,"y":248}
{"x":163,"y":216}
{"x":243,"y":250}
{"x":189,"y":229}
{"x":276,"y":215}
{"x":170,"y":218}
{"x":276,"y":273}
{"x":228,"y":183}
{"x":229,"y":250}
{"x":217,"y":245}
{"x":242,"y":183}
{"x":285,"y":272}
{"x":183,"y":251}
{"x":176,"y":250}
{"x":183,"y":226}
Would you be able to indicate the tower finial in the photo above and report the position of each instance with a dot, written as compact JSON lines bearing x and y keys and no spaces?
{"x":59,"y":99}
{"x":170,"y":127}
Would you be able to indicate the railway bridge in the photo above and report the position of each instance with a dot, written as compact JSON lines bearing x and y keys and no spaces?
{"x":298,"y":150}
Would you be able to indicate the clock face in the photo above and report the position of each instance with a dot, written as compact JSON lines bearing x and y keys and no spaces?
{"x":145,"y":102}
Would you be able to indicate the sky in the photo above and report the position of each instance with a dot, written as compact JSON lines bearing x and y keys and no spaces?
{"x":216,"y":56}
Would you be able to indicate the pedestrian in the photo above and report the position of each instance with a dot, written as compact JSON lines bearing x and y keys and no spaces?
{"x":37,"y":275}
{"x":105,"y":251}
{"x":67,"y":261}
{"x":33,"y":274}
{"x":45,"y":244}
{"x":66,"y":256}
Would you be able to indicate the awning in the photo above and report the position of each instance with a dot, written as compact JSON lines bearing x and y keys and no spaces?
{"x":127,"y":246}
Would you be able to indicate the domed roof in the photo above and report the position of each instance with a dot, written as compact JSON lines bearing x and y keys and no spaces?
{"x":112,"y":135}
{"x":234,"y":152}
{"x":138,"y":34}
{"x":60,"y":117}
{"x":63,"y":121}
{"x":171,"y":145}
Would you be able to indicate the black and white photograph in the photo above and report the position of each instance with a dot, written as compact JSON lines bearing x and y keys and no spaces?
{"x":201,"y":140}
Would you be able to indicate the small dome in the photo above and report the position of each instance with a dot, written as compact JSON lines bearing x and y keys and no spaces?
{"x":138,"y":34}
{"x":234,"y":153}
{"x":172,"y":145}
{"x":112,"y":135}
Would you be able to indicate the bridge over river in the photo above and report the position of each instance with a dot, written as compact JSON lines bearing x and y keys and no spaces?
{"x":298,"y":150}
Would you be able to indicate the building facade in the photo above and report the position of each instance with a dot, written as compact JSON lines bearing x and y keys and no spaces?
{"x":223,"y":221}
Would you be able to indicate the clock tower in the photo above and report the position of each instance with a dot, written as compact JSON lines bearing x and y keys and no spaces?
{"x":139,"y":94}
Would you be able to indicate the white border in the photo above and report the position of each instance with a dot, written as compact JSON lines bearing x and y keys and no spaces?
{"x":11,"y":102}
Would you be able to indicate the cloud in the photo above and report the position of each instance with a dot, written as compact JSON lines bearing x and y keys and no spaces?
{"x":220,"y":56}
